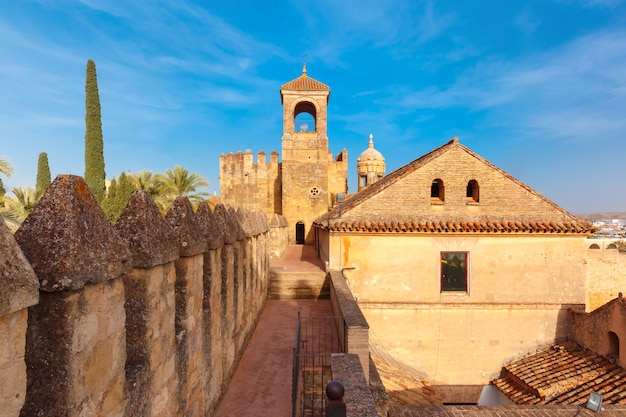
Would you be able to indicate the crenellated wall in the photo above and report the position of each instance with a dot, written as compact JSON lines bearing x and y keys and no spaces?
{"x":145,"y":318}
{"x":251,"y":185}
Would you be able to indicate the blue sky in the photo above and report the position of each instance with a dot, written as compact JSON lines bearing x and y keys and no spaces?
{"x":536,"y":87}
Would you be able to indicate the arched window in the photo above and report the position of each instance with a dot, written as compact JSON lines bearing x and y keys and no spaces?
{"x":472,"y":193}
{"x":613,"y":344}
{"x":612,"y":246}
{"x":305,"y":117}
{"x":594,"y":246}
{"x":437,"y":191}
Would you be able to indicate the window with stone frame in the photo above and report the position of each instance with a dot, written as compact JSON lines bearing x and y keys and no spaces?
{"x":437,"y":191}
{"x":454,"y":271}
{"x":473,"y":192}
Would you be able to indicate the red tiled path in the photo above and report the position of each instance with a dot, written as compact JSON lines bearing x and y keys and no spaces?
{"x":261,"y":385}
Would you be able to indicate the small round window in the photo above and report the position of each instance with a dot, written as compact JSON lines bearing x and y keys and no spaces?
{"x":314,"y":192}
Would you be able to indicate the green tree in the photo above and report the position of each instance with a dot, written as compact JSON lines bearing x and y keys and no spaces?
{"x":180,"y":182}
{"x":108,"y":204}
{"x":117,"y":197}
{"x":146,"y":180}
{"x":94,"y":144}
{"x":17,"y":209}
{"x":43,"y":174}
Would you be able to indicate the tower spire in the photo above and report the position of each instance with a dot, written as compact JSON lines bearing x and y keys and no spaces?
{"x":304,"y":65}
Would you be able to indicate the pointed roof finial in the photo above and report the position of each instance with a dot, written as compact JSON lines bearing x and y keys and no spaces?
{"x":371,"y":143}
{"x":304,"y":65}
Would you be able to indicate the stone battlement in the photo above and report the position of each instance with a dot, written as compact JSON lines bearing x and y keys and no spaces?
{"x":148,"y":317}
{"x":251,"y":185}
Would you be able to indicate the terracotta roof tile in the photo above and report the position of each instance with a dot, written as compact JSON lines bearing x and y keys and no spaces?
{"x":382,"y":224}
{"x":305,"y":82}
{"x":564,"y":374}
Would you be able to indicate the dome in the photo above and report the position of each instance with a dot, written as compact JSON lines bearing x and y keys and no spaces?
{"x":370,"y":165}
{"x":370,"y":154}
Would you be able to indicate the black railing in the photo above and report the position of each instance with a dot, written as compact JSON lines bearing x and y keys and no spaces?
{"x":316,"y":339}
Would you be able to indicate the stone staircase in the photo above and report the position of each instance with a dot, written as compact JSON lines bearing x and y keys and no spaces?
{"x":288,"y":284}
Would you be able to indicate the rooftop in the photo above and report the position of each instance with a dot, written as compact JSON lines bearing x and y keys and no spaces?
{"x":563,"y":374}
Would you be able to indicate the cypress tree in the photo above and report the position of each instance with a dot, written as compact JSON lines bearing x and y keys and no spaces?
{"x":94,"y":144}
{"x":43,"y":175}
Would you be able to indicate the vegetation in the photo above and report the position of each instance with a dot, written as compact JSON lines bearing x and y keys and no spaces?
{"x":16,"y":209}
{"x":117,"y":197}
{"x":179,"y":182}
{"x":5,"y":167}
{"x":94,"y":145}
{"x":164,"y":188}
{"x":43,"y":174}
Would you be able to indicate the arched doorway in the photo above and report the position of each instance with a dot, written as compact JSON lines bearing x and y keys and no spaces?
{"x":299,"y":233}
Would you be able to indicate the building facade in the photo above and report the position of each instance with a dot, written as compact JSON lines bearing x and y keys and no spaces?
{"x":457,"y":266}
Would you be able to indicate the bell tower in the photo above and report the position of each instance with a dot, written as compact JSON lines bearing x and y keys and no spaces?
{"x":310,"y":177}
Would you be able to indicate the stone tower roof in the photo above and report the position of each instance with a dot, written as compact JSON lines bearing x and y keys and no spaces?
{"x":370,"y":154}
{"x":303,"y":83}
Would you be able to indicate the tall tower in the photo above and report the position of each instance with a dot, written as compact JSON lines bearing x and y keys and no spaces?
{"x":370,"y":165}
{"x":310,"y":177}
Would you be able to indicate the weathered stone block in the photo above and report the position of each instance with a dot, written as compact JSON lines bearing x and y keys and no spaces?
{"x":149,"y":237}
{"x":19,"y":287}
{"x":69,"y":240}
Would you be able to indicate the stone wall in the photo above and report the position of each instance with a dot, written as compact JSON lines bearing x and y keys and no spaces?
{"x":606,"y":275}
{"x":603,"y":330}
{"x":18,"y":292}
{"x":145,"y":318}
{"x":251,"y":185}
{"x":279,"y":236}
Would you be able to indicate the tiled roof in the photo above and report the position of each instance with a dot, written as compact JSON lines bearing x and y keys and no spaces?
{"x":500,"y":411}
{"x":564,"y":374}
{"x":420,"y":225}
{"x":305,"y":83}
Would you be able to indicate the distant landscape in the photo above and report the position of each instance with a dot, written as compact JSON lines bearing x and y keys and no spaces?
{"x":602,"y":216}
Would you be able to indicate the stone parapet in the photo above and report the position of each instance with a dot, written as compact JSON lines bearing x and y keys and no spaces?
{"x":147,"y":318}
{"x":346,"y":368}
{"x":351,"y":324}
{"x":19,"y":289}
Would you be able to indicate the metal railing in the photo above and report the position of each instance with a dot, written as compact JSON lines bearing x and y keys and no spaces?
{"x":316,"y":338}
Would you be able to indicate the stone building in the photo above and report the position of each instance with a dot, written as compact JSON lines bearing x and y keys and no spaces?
{"x":305,"y":183}
{"x":458,"y":267}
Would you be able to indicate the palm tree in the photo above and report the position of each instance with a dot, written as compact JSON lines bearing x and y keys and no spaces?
{"x":5,"y":167}
{"x":180,"y":182}
{"x":146,"y":180}
{"x":16,"y":209}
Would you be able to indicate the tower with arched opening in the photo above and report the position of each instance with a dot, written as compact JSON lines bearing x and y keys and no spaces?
{"x":311,"y":177}
{"x":305,"y":184}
